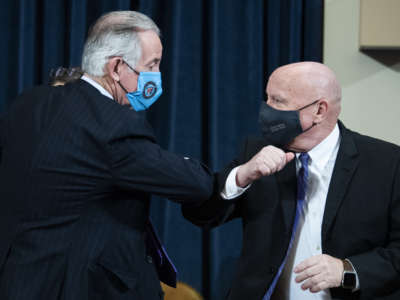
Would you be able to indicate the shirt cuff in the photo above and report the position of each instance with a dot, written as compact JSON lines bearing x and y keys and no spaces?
{"x":231,"y":190}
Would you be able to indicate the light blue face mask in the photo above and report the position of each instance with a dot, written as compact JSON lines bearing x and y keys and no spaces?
{"x":148,"y":90}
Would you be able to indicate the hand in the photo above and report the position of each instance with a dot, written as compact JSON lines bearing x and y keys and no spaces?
{"x":319,"y":272}
{"x":266,"y":162}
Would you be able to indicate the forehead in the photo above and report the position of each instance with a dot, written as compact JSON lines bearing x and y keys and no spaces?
{"x":289,"y":83}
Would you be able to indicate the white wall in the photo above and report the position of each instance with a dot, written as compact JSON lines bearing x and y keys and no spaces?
{"x":370,"y":82}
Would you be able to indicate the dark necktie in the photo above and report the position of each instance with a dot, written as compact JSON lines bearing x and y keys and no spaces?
{"x":164,"y":266}
{"x":302,"y":179}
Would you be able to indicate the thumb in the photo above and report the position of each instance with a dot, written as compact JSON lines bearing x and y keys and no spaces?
{"x":289,"y":156}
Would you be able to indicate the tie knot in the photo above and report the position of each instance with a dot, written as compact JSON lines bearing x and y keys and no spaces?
{"x":304,"y":158}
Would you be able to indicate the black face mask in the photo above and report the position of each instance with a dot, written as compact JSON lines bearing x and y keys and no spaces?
{"x":280,"y":127}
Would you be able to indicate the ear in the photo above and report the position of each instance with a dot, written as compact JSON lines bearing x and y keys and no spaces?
{"x":114,"y":68}
{"x":322,"y":111}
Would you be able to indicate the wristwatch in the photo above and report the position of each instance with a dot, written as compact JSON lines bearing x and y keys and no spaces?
{"x":349,"y":277}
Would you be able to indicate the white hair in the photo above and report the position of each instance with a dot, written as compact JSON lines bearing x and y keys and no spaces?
{"x":115,"y":34}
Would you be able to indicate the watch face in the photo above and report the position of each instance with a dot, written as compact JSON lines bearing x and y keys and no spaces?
{"x":349,"y":280}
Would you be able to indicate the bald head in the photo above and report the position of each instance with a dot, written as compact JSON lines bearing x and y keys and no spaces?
{"x":310,"y":78}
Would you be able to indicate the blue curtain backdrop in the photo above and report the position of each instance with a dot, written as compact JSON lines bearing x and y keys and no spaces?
{"x":217,"y":57}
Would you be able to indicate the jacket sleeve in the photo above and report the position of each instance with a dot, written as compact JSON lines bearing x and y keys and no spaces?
{"x":378,"y":270}
{"x":217,"y":210}
{"x":139,"y":164}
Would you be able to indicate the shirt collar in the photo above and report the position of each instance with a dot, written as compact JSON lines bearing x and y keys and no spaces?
{"x":97,"y":86}
{"x":321,"y":153}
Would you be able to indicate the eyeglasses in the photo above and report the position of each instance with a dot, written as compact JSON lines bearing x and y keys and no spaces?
{"x":137,"y":73}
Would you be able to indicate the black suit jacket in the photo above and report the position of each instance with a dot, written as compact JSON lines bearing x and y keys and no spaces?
{"x":361,"y":219}
{"x":76,"y":176}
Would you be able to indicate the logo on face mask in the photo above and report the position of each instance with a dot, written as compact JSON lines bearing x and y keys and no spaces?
{"x":278,"y":127}
{"x":149,"y":90}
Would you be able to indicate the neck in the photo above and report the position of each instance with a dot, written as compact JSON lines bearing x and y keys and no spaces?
{"x":109,"y":85}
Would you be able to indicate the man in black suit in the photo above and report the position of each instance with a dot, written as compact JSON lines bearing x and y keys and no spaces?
{"x":321,"y":218}
{"x":79,"y":163}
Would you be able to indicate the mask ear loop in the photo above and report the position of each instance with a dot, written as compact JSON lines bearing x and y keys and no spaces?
{"x":122,"y":87}
{"x":301,"y":150}
{"x":120,"y":84}
{"x":136,"y":72}
{"x":308,"y":105}
{"x":313,"y":124}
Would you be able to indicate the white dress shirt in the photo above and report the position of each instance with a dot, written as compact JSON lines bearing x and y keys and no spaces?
{"x":307,"y":242}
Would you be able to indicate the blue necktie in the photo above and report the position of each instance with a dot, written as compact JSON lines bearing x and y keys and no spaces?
{"x":302,"y":179}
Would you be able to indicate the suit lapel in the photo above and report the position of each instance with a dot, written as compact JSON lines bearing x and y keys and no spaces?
{"x":287,"y":183}
{"x":345,"y":166}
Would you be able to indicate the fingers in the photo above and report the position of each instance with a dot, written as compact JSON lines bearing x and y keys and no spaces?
{"x":315,"y":284}
{"x":308,"y":273}
{"x":319,"y":272}
{"x":273,"y":160}
{"x":266,"y":162}
{"x":309,"y":262}
{"x":270,"y":160}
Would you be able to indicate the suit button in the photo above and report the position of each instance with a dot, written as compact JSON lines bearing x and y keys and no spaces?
{"x":149,"y":259}
{"x":272,"y":270}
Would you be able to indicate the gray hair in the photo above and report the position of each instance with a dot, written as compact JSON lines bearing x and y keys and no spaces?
{"x":115,"y":34}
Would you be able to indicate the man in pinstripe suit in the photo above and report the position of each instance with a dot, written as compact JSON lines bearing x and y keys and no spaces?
{"x":77,"y":170}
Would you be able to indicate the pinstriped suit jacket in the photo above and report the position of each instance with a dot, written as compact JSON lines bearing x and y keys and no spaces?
{"x":76,"y":173}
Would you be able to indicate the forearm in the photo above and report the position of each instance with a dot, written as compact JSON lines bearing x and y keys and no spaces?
{"x":141,"y":165}
{"x":221,"y":206}
{"x":211,"y":213}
